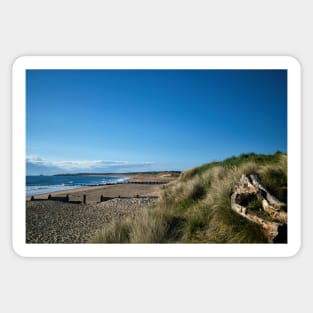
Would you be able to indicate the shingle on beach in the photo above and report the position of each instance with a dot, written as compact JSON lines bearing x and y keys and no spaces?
{"x":51,"y":221}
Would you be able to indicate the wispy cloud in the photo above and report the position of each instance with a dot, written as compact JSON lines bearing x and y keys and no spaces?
{"x":37,"y":164}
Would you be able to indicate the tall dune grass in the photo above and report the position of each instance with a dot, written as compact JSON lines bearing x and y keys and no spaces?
{"x":196,"y":207}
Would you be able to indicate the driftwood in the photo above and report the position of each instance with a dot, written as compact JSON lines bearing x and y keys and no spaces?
{"x":275,"y":216}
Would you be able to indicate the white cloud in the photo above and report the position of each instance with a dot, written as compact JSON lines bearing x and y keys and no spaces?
{"x":84,"y":165}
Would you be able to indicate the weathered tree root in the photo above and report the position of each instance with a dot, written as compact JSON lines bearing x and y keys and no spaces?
{"x":250,"y":186}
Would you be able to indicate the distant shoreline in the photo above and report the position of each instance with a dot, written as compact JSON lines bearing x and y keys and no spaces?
{"x":118,"y":174}
{"x":110,"y":190}
{"x":140,"y":179}
{"x":36,"y":185}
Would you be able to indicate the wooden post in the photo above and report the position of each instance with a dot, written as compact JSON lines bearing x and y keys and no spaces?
{"x":32,"y":198}
{"x":49,"y":197}
{"x":85,"y":199}
{"x":67,"y":198}
{"x":101,"y":198}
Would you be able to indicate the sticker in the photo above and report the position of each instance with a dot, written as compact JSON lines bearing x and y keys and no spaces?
{"x":156,"y":156}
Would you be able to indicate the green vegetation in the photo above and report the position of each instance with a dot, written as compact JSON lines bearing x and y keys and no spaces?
{"x":195,"y":208}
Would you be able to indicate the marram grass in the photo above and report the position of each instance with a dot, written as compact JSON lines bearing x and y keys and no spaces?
{"x":195,"y":208}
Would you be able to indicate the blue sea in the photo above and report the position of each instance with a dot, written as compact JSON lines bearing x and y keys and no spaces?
{"x":36,"y":185}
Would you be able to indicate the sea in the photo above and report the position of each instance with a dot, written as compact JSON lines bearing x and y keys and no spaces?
{"x":36,"y":185}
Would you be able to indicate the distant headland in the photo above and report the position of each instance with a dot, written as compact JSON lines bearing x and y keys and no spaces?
{"x":118,"y":174}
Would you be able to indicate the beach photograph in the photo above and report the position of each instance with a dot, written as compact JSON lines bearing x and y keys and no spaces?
{"x":156,"y":156}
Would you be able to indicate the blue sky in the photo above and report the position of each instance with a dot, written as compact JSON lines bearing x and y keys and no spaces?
{"x":145,"y":120}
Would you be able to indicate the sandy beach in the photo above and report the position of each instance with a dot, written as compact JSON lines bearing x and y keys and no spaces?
{"x":49,"y":221}
{"x":65,"y":218}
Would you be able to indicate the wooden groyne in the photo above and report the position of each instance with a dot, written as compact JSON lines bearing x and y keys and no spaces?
{"x":103,"y":198}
